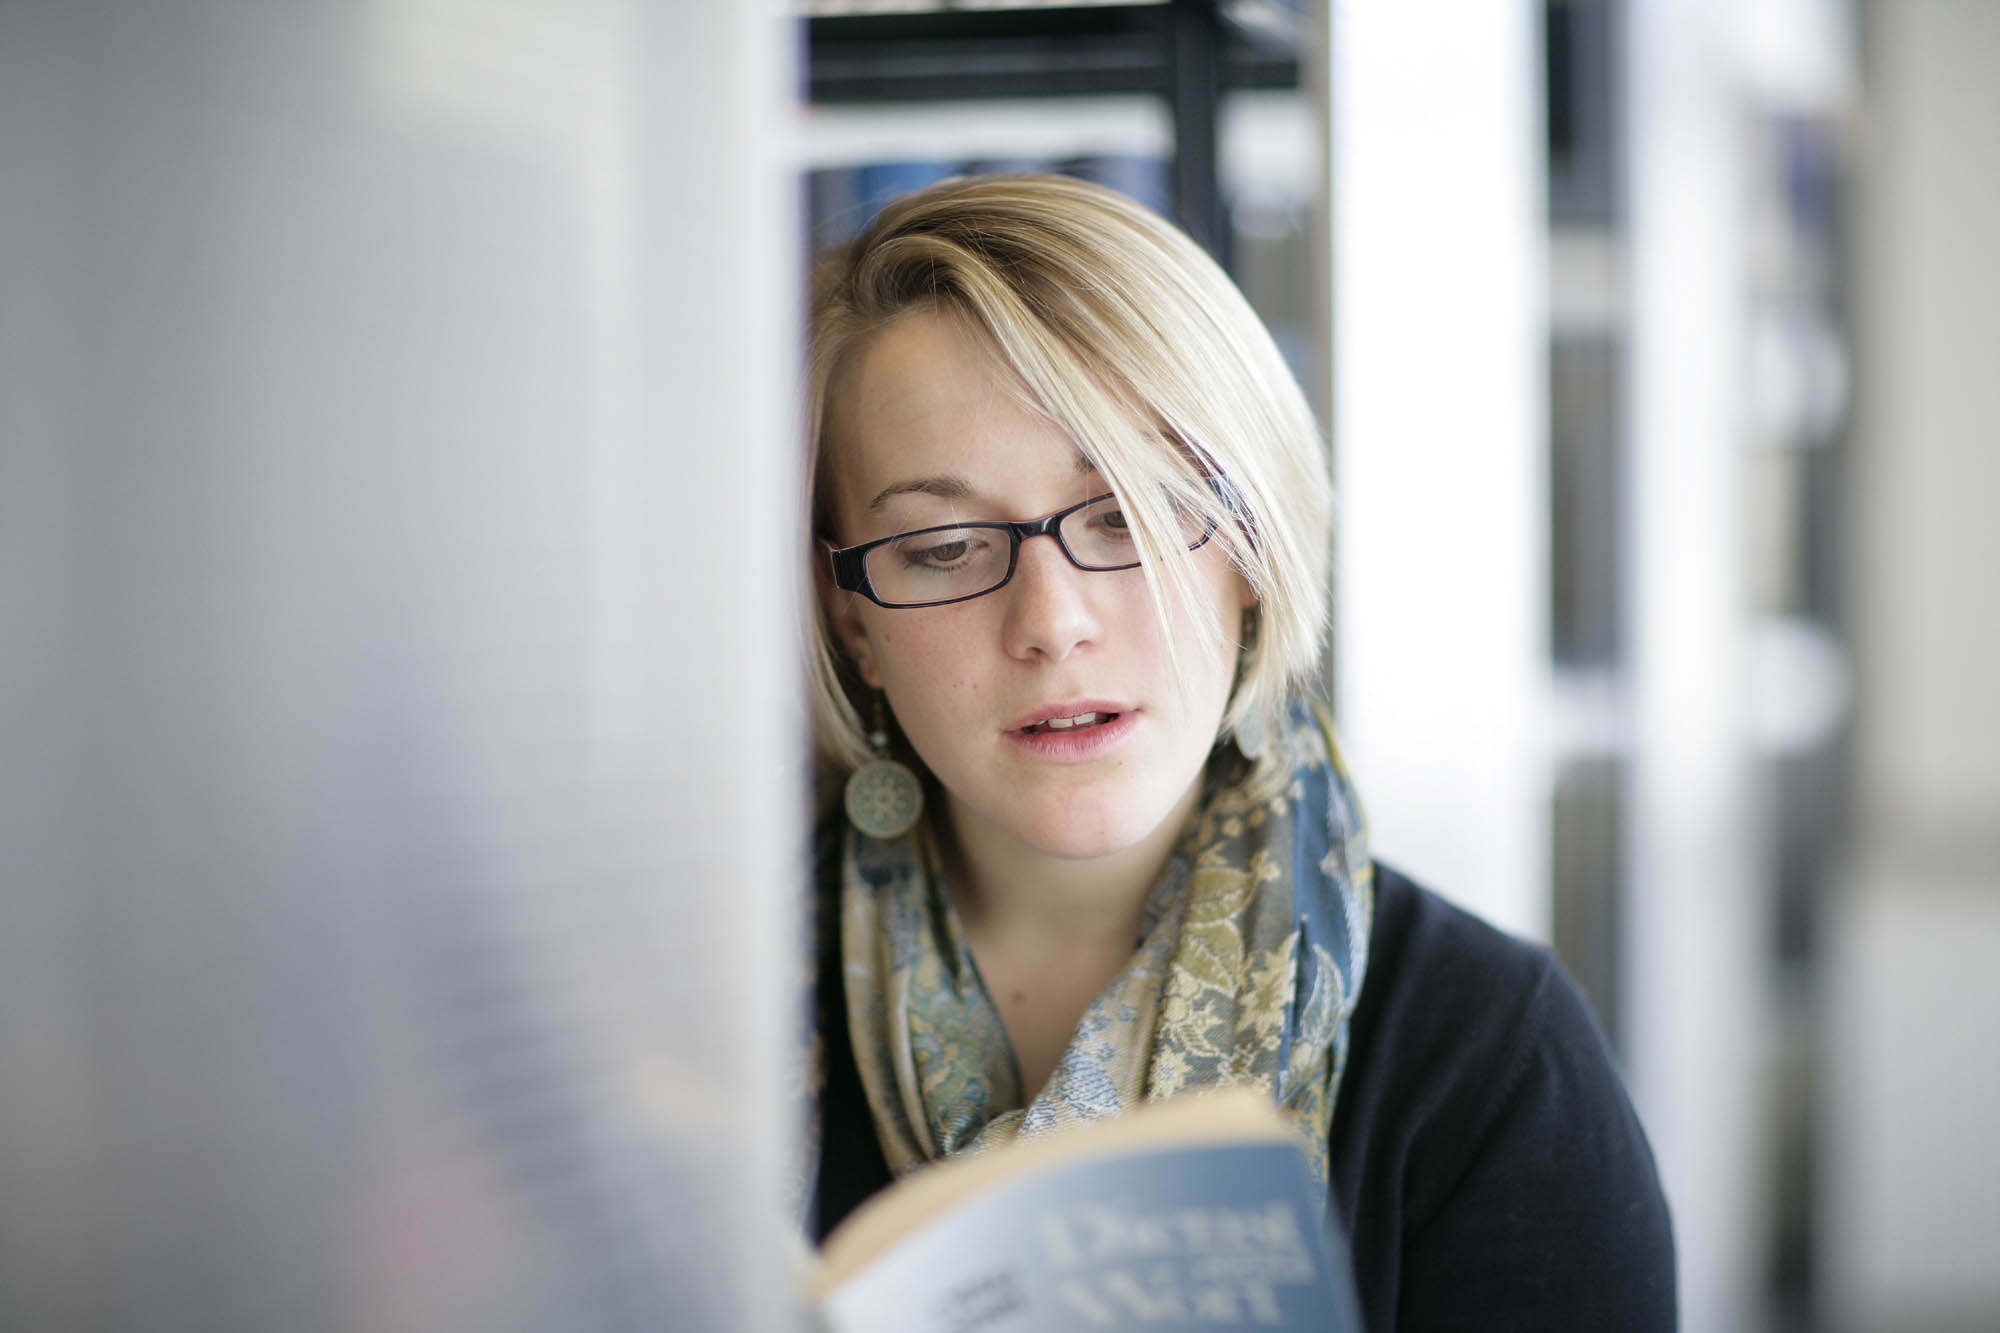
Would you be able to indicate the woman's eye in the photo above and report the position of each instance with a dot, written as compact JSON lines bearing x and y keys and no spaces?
{"x":937,"y":555}
{"x":1111,"y":523}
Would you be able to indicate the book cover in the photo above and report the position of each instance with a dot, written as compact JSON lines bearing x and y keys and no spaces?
{"x":1202,"y":1215}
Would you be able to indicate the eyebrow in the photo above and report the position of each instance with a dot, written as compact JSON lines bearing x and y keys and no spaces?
{"x":949,"y":485}
{"x":944,"y":487}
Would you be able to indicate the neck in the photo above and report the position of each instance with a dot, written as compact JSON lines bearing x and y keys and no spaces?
{"x":1005,"y":888}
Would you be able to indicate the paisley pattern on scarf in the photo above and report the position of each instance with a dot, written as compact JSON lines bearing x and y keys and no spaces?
{"x":1254,"y":943}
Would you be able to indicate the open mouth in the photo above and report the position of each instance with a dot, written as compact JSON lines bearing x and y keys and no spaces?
{"x":1081,"y":722}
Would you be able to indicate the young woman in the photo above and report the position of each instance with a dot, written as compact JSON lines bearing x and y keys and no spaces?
{"x":1096,"y":844}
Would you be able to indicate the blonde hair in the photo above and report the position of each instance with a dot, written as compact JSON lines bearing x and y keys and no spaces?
{"x":1120,"y":330}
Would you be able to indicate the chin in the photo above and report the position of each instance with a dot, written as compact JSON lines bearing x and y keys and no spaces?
{"x":1078,"y":836}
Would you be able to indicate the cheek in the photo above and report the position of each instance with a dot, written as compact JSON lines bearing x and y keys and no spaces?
{"x":924,"y":666}
{"x":933,"y":688}
{"x":1220,"y":650}
{"x":1220,"y":636}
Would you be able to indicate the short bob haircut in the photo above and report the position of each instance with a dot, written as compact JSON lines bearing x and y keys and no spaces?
{"x":1113,"y":325}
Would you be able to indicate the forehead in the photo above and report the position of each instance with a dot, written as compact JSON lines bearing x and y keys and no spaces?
{"x":921,"y":366}
{"x":926,"y":397}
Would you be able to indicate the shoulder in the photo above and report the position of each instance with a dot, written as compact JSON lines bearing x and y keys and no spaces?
{"x":1486,"y":1157}
{"x":1420,"y":940}
{"x":1452,"y":1011}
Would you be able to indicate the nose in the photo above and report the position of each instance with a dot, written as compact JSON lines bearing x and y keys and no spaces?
{"x":1049,"y":611}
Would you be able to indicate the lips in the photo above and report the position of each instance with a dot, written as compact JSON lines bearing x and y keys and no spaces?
{"x":1074,"y":731}
{"x":1070,"y":716}
{"x":1069,"y":723}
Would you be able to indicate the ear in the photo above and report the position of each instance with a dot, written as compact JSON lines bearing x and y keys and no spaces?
{"x":843,"y":614}
{"x":1246,"y":596}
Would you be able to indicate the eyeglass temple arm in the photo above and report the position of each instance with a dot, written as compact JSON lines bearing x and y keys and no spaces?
{"x":845,"y":565}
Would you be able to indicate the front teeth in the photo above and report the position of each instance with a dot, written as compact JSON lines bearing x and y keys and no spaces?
{"x":1065,"y":723}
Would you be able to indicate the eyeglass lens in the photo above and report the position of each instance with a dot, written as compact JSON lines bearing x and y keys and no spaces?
{"x":946,"y":564}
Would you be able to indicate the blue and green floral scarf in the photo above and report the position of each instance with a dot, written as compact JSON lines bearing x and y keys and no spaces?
{"x":1251,"y":959}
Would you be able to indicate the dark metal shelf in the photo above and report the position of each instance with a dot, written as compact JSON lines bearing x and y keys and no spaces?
{"x":954,"y":54}
{"x":1187,"y":51}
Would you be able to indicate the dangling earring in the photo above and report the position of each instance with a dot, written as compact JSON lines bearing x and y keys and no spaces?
{"x":1253,"y":729}
{"x":884,"y":797}
{"x":1253,"y":733}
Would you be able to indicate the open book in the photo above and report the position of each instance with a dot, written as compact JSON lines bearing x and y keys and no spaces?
{"x":1196,"y":1213}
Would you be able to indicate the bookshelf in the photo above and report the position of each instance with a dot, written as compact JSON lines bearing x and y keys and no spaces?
{"x":1636,"y":593}
{"x":1184,"y":56}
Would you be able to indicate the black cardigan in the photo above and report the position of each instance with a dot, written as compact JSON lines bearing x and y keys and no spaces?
{"x":1485,"y":1158}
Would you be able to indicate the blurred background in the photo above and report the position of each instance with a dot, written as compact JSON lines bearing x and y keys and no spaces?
{"x":399,"y":764}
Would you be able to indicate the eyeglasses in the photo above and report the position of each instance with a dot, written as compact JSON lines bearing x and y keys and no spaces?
{"x":956,"y":562}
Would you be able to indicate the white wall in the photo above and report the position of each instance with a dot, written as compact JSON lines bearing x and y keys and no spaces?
{"x":1691,"y":911}
{"x":1438,"y":414}
{"x":1912,"y":1218}
{"x":1929,"y":441}
{"x":398,"y":736}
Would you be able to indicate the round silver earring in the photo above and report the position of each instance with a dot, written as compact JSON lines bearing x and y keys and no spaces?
{"x":1253,"y":733}
{"x":883,"y":796}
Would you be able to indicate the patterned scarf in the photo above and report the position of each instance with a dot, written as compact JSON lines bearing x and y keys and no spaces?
{"x":1254,"y":942}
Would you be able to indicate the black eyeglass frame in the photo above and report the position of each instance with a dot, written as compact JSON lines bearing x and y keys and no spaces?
{"x":850,"y":563}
